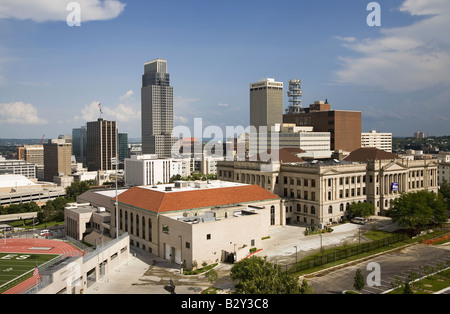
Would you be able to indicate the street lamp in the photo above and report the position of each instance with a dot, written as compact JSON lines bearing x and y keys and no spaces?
{"x":115,"y":160}
{"x":295,"y":254}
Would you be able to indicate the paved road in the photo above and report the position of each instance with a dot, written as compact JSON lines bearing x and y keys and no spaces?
{"x":399,"y":263}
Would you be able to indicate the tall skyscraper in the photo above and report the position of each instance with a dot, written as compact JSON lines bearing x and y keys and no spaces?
{"x":266,"y":103}
{"x":157,"y":109}
{"x":101,"y":144}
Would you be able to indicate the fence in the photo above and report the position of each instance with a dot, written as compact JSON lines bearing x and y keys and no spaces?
{"x":344,"y":253}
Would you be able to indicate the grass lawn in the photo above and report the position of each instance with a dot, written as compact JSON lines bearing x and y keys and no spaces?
{"x":13,"y":265}
{"x":430,"y":284}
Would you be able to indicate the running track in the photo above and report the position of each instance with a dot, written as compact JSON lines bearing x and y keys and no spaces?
{"x":31,"y":246}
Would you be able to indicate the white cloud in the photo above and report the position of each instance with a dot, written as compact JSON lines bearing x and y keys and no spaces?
{"x":127,"y":95}
{"x":120,"y":113}
{"x":408,"y":58}
{"x":346,"y":39}
{"x":20,"y":113}
{"x":56,"y":10}
{"x":223,"y":105}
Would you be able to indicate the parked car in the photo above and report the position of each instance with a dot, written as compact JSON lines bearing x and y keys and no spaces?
{"x":45,"y":233}
{"x":359,"y":220}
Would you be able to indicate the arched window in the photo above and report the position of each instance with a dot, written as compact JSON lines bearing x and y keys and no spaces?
{"x":313,"y":210}
{"x":126,"y":221}
{"x":305,"y":209}
{"x":341,"y":207}
{"x":330,"y":209}
{"x":299,"y":208}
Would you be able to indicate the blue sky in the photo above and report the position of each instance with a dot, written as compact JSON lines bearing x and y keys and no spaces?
{"x":52,"y":76}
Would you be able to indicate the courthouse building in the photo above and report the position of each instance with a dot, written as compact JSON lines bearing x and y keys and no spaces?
{"x":320,"y":192}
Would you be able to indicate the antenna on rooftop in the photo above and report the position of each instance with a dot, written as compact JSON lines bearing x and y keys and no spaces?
{"x":295,"y":93}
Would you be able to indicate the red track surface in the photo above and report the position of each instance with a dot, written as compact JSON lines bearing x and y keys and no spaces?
{"x":27,"y":245}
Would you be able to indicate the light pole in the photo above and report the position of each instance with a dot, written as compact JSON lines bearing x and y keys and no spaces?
{"x":295,"y":254}
{"x":115,"y":160}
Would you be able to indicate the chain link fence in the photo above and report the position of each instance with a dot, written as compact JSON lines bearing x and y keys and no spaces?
{"x":343,"y":253}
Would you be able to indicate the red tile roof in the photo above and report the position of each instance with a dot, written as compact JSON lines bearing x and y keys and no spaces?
{"x":162,"y":202}
{"x":365,"y":154}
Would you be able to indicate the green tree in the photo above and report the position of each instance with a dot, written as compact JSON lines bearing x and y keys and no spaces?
{"x":258,"y":276}
{"x":362,"y":209}
{"x":358,"y":280}
{"x":75,"y":189}
{"x":418,"y":210}
{"x":444,"y":190}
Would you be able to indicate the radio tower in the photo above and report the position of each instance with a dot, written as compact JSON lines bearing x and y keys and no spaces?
{"x":294,"y":94}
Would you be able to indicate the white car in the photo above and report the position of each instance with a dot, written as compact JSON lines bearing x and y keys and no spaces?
{"x":359,"y":220}
{"x":44,"y":233}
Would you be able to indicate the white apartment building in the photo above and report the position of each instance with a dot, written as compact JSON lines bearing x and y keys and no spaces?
{"x":148,"y":169}
{"x":378,"y":140}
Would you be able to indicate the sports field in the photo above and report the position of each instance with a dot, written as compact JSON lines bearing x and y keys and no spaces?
{"x":14,"y":265}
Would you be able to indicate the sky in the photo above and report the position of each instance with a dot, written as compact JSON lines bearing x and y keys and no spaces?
{"x":53,"y":75}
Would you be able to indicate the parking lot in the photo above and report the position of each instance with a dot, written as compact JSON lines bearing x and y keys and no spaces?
{"x":400,"y":263}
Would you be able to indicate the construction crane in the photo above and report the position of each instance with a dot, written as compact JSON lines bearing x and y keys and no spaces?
{"x":42,"y":140}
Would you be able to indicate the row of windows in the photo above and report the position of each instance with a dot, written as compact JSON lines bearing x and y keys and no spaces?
{"x":137,"y":222}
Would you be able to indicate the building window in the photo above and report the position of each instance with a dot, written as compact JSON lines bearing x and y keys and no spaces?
{"x":208,"y":236}
{"x":165,"y":229}
{"x":298,"y":208}
{"x":330,"y":209}
{"x":272,"y":215}
{"x":188,"y":245}
{"x":313,"y":210}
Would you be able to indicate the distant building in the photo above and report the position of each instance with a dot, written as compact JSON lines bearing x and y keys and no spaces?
{"x":419,"y":135}
{"x":266,"y":103}
{"x":157,"y":109}
{"x":292,"y":136}
{"x":378,"y":140}
{"x":122,"y":146}
{"x":343,"y":126}
{"x":148,"y":170}
{"x":19,"y":167}
{"x":57,"y":159}
{"x":16,"y":189}
{"x":101,"y":144}
{"x":79,"y":144}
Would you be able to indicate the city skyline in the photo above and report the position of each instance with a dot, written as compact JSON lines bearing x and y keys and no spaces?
{"x":52,"y":75}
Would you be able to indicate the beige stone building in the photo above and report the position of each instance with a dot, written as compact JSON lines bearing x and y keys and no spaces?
{"x":191,"y":223}
{"x":320,"y":192}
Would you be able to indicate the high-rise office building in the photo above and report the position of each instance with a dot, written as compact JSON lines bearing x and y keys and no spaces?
{"x":157,"y":109}
{"x":57,"y":158}
{"x":101,"y":144}
{"x":266,"y":103}
{"x":79,"y":140}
